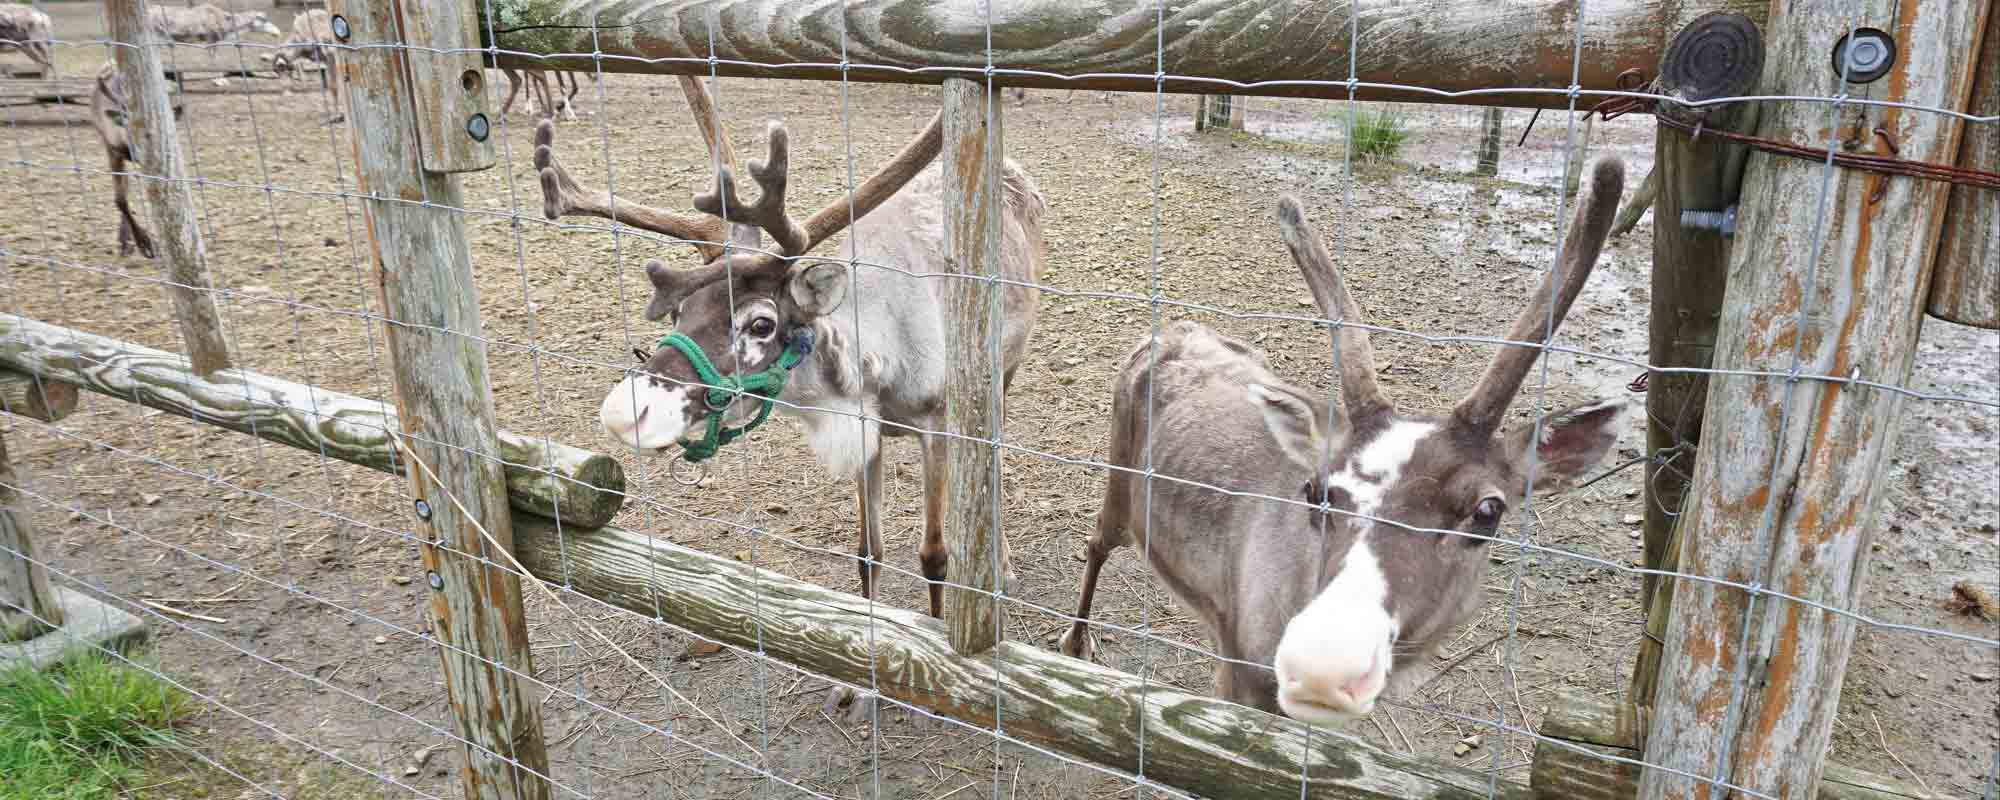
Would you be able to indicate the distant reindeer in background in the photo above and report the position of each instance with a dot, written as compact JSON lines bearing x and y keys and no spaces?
{"x":206,"y":23}
{"x":107,"y":116}
{"x":1333,"y":596}
{"x":28,"y":30}
{"x":311,"y":40}
{"x":539,"y":95}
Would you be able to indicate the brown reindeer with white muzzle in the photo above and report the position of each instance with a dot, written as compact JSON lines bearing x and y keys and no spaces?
{"x":1331,"y":605}
{"x":824,"y":345}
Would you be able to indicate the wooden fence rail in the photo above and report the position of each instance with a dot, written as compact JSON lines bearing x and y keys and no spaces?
{"x":1457,"y":45}
{"x":1193,"y":742}
{"x":543,"y":478}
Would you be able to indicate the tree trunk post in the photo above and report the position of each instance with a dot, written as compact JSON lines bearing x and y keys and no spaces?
{"x":1489,"y":142}
{"x":972,"y":158}
{"x":1690,"y":271}
{"x":1785,"y":488}
{"x":437,"y":359}
{"x":1642,"y":199}
{"x":154,"y":136}
{"x":1577,"y":155}
{"x":28,"y":604}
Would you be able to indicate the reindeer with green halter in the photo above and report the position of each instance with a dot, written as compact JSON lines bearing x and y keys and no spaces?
{"x":855,"y":353}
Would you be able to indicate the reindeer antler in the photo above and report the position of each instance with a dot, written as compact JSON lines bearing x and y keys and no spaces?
{"x":562,"y":196}
{"x":1481,"y":410}
{"x":1358,"y":388}
{"x":768,"y":213}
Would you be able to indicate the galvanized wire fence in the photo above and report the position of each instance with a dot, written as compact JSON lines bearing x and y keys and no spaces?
{"x":278,"y":580}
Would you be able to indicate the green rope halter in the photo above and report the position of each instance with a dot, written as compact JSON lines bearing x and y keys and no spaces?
{"x":724,"y":389}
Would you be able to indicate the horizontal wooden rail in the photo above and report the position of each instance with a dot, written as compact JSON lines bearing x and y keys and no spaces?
{"x":1453,"y":46}
{"x":1587,"y":735}
{"x":1197,"y":743}
{"x":587,"y":487}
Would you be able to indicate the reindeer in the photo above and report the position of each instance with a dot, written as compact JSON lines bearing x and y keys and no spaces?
{"x":206,"y":23}
{"x":312,"y":34}
{"x":107,"y":116}
{"x":873,"y":343}
{"x":538,"y":92}
{"x":28,"y":30}
{"x":1330,"y":605}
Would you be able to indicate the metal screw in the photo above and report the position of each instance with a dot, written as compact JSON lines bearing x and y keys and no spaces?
{"x":1724,"y":220}
{"x":435,"y":581}
{"x":423,"y":509}
{"x":477,"y":127}
{"x":339,"y":26}
{"x":1864,"y":56}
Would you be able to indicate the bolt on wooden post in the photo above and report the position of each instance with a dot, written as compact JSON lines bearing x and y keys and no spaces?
{"x":417,"y":116}
{"x":1786,"y":488}
{"x":972,"y":169}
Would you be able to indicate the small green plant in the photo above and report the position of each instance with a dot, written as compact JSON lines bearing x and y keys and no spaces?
{"x":1377,"y":133}
{"x":76,"y":732}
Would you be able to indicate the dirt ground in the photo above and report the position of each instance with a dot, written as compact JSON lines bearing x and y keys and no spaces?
{"x":309,"y":636}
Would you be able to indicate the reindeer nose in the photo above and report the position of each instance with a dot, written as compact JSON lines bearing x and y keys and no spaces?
{"x":623,"y":429}
{"x":1317,"y":690}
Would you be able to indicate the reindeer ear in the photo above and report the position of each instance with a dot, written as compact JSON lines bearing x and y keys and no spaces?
{"x":665,"y":294}
{"x":818,"y":287}
{"x":1291,"y":422}
{"x":1573,"y":441}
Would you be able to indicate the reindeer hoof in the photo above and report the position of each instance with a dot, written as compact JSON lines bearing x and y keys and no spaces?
{"x":1077,"y":643}
{"x":860,"y":708}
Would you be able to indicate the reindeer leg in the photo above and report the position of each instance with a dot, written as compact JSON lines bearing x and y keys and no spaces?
{"x":868,"y":497}
{"x":513,"y":88}
{"x":1110,"y":535}
{"x":937,"y":482}
{"x":130,"y":233}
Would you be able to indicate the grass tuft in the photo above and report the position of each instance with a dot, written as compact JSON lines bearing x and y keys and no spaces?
{"x":1377,"y":133}
{"x":77,"y":732}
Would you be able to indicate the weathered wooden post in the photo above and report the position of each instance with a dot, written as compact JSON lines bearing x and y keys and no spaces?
{"x":418,"y":117}
{"x":155,"y":141}
{"x":1489,"y":142}
{"x":28,"y":605}
{"x":972,"y":167}
{"x":1785,"y":487}
{"x":1966,"y":286}
{"x":1716,"y":55}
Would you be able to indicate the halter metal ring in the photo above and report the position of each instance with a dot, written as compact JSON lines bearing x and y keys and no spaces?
{"x":679,"y":469}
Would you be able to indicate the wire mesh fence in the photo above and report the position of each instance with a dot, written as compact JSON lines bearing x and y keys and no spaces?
{"x":686,"y":651}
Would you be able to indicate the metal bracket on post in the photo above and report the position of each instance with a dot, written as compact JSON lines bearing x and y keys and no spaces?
{"x":447,"y":80}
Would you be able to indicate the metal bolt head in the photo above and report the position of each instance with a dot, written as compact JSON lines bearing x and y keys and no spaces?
{"x":423,"y":509}
{"x":340,"y":29}
{"x":477,"y":127}
{"x":435,"y":581}
{"x":1864,"y":55}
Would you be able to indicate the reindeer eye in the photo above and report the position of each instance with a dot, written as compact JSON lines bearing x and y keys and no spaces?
{"x":1488,"y":512}
{"x":762,"y":327}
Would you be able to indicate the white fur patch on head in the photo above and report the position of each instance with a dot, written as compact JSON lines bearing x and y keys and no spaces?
{"x":1378,"y":465}
{"x":637,"y":413}
{"x":1334,"y":658}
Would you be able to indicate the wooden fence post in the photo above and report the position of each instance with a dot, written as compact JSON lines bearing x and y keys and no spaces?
{"x":1489,"y":142}
{"x":416,"y":117}
{"x":972,"y":168}
{"x":28,"y":605}
{"x":1966,"y":288}
{"x":154,"y":136}
{"x":1717,"y":55}
{"x":1786,"y":485}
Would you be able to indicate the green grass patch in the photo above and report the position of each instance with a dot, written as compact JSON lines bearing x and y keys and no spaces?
{"x":78,"y":732}
{"x":1377,"y":133}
